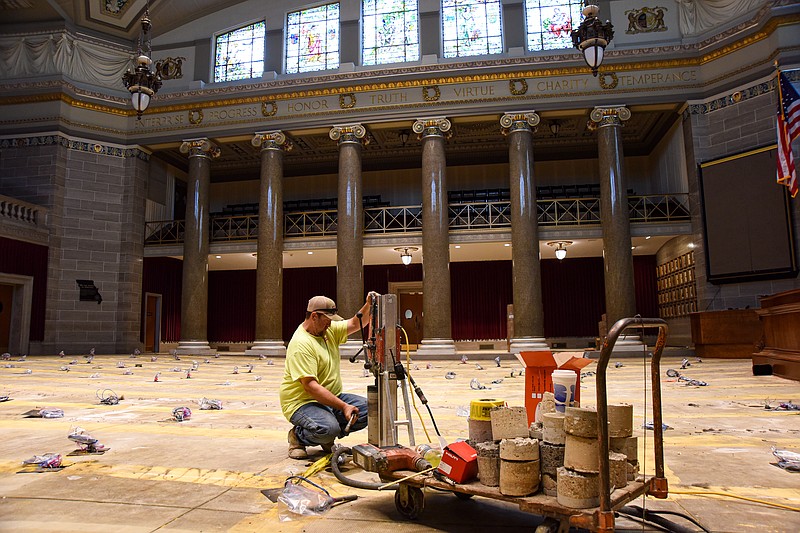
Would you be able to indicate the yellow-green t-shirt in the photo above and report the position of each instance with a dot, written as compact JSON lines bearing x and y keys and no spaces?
{"x":314,"y":356}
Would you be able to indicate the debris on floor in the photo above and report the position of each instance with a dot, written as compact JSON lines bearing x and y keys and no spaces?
{"x":782,"y":406}
{"x":50,"y":461}
{"x":651,"y":426}
{"x":207,"y":404}
{"x":181,"y":413}
{"x":671,"y":372}
{"x":86,"y":443}
{"x":107,"y":397}
{"x":787,"y":460}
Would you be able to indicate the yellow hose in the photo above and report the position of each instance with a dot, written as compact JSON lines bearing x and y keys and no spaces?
{"x":727,"y":495}
{"x":413,"y":396}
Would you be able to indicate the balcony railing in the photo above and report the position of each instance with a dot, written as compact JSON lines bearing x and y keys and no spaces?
{"x":476,"y":216}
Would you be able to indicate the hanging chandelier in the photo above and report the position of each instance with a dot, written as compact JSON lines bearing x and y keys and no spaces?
{"x":592,"y":36}
{"x":142,"y":82}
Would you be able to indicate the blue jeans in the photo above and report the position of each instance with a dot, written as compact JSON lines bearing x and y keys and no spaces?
{"x":317,"y":424}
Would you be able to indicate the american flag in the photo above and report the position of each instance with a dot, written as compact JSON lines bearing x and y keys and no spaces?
{"x":788,"y":130}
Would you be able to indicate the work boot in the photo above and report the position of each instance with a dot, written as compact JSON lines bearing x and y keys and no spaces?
{"x":328,"y":447}
{"x":296,"y":449}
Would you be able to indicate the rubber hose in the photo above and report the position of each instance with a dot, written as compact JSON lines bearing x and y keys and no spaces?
{"x":652,"y":517}
{"x":367,"y":485}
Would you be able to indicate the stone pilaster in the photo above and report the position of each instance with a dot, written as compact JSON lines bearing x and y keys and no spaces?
{"x":615,"y":218}
{"x":194,"y":291}
{"x":350,"y":226}
{"x":438,"y":337}
{"x":526,"y":266}
{"x":269,"y":264}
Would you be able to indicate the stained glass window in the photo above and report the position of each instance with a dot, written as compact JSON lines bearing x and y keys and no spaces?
{"x":239,"y":54}
{"x":550,"y":22}
{"x":390,"y":31}
{"x":471,"y":27}
{"x":312,"y":39}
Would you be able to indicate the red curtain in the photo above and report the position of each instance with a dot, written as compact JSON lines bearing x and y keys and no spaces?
{"x":164,"y":276}
{"x":231,"y":306}
{"x":27,"y":259}
{"x":479,"y":294}
{"x":573,"y":296}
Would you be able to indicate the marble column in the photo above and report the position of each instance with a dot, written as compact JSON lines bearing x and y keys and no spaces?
{"x":269,"y":261}
{"x":615,"y":220}
{"x":526,"y":269}
{"x":350,"y":227}
{"x":437,"y":329}
{"x":194,"y":289}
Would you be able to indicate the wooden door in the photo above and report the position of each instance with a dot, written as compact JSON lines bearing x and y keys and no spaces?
{"x":410,"y":313}
{"x":152,"y":323}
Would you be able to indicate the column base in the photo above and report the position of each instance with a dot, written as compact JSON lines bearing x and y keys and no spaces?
{"x":272,"y":348}
{"x":628,"y":346}
{"x":436,"y":347}
{"x":350,"y":348}
{"x":529,"y":344}
{"x":194,"y":348}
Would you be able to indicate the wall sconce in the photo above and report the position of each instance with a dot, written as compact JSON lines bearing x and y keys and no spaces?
{"x":405,"y":253}
{"x":555,"y":126}
{"x":592,"y":36}
{"x":404,"y":136}
{"x":142,"y":82}
{"x":561,"y":248}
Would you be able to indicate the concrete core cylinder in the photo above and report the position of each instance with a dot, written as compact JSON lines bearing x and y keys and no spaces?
{"x":509,"y":423}
{"x":620,"y":420}
{"x":488,"y":463}
{"x":578,"y":490}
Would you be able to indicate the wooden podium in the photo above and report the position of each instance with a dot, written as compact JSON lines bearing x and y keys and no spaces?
{"x":731,"y":334}
{"x":780,"y":315}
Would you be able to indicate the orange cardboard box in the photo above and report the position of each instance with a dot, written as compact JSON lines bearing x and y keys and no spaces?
{"x":539,"y":368}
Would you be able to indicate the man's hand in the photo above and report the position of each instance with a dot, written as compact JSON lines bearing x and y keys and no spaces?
{"x":349,"y":411}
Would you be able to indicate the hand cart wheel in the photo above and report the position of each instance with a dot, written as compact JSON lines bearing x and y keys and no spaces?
{"x":549,"y":525}
{"x":409,"y":500}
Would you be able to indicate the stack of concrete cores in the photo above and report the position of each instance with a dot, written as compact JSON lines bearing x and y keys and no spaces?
{"x":578,"y":483}
{"x":519,"y":466}
{"x":620,"y":431}
{"x":552,"y":450}
{"x":488,"y":463}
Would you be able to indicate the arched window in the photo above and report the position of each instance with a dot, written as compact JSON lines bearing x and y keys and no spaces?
{"x":312,"y":39}
{"x":239,"y":54}
{"x":390,"y":31}
{"x":549,"y":23}
{"x":471,"y":27}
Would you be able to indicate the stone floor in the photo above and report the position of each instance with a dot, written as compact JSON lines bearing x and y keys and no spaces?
{"x":206,"y":473}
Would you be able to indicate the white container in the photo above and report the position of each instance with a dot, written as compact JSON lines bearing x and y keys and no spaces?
{"x":564,"y":388}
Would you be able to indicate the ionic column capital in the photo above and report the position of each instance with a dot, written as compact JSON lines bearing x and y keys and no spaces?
{"x":519,"y":121}
{"x":271,"y":140}
{"x":612,"y":115}
{"x":349,"y":133}
{"x":201,"y":147}
{"x":431,"y":127}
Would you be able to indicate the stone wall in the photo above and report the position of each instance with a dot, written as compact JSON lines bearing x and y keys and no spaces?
{"x":720,"y":128}
{"x":96,"y":197}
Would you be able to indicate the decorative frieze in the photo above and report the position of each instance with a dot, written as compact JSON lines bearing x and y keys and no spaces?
{"x":74,"y":144}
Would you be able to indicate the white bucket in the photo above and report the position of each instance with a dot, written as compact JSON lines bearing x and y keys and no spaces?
{"x":564,"y":382}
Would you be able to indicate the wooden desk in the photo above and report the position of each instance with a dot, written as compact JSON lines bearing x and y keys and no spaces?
{"x":731,"y":334}
{"x":780,"y":315}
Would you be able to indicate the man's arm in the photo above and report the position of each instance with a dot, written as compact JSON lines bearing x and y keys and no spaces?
{"x":353,"y":324}
{"x":326,"y":397}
